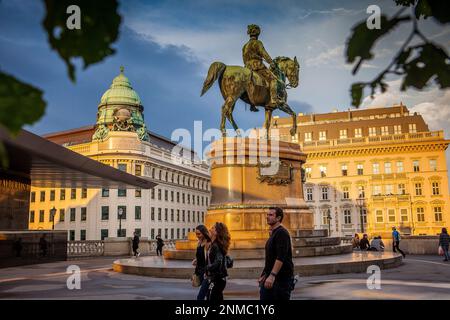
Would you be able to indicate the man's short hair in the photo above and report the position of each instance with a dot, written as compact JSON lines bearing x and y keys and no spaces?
{"x":278,"y":212}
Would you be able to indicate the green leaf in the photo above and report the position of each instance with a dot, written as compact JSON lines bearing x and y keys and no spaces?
{"x":432,"y":61}
{"x":422,"y":9}
{"x":99,"y":29}
{"x":356,"y":92}
{"x":20,"y":103}
{"x":362,"y":39}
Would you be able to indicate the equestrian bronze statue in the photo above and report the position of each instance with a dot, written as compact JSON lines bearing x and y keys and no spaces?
{"x":255,"y":84}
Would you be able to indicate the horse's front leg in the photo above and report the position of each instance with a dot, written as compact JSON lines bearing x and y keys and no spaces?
{"x":267,"y":121}
{"x":286,"y":108}
{"x":222,"y":120}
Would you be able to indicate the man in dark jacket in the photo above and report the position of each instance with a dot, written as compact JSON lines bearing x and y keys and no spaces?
{"x":444,"y":242}
{"x":159,"y":245}
{"x":364,"y":243}
{"x":136,"y":245}
{"x":277,"y":279}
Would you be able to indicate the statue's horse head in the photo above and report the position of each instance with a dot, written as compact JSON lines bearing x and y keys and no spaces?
{"x":290,"y":68}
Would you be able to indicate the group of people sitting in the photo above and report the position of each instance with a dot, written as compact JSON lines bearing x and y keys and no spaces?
{"x":363,"y":244}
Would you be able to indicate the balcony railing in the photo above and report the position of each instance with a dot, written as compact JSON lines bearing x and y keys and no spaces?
{"x":432,"y":135}
{"x":90,"y":248}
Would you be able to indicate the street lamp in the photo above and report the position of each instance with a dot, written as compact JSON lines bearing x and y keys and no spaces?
{"x":120,"y":221}
{"x":52,"y":215}
{"x":360,"y":204}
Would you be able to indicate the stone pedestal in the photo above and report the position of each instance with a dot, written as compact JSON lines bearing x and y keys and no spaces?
{"x":248,"y":176}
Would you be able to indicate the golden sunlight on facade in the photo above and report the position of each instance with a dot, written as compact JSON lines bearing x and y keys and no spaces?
{"x":368,"y":170}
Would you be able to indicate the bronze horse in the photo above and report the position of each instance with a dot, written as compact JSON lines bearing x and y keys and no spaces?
{"x":238,"y":82}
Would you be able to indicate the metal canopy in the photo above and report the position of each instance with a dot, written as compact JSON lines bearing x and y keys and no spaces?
{"x":46,"y":164}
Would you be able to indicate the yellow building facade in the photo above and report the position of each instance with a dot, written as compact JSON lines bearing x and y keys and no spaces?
{"x":369,"y":170}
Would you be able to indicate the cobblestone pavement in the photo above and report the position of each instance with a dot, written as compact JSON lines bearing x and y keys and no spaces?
{"x":420,"y":277}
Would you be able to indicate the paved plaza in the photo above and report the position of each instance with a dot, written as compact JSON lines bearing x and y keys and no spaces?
{"x":419,"y":277}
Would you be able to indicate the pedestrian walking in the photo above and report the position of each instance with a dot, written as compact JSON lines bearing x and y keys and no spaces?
{"x":396,"y":241}
{"x":216,"y":269}
{"x":199,"y":276}
{"x":136,"y":245}
{"x":159,"y":245}
{"x":444,"y":241}
{"x":277,"y":279}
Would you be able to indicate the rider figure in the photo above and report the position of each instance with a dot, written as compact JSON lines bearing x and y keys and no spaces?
{"x":253,"y":54}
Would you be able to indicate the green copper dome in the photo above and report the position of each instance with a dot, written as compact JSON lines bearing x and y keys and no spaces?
{"x":120,"y":92}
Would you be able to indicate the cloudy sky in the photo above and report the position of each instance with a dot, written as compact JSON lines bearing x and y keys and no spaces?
{"x":167,"y":47}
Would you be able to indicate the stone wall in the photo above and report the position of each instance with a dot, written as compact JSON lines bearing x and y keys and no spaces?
{"x":416,"y":244}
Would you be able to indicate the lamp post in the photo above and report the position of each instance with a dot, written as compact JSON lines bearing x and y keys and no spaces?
{"x":360,"y":203}
{"x":120,"y":221}
{"x":52,"y":215}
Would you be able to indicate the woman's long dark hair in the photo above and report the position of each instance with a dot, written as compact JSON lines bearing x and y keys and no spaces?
{"x":204,"y":231}
{"x":444,"y":230}
{"x":223,"y":236}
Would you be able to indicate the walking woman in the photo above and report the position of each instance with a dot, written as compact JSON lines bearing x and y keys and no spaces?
{"x":204,"y":241}
{"x":444,"y":241}
{"x":216,"y":270}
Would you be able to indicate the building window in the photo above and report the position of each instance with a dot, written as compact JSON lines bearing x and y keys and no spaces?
{"x":322,"y":135}
{"x":347,"y":216}
{"x":166,"y":233}
{"x":189,"y":216}
{"x":376,"y":190}
{"x":166,"y":195}
{"x":62,"y":215}
{"x":178,"y":215}
{"x":152,"y":214}
{"x":83,"y":213}
{"x":384,"y":130}
{"x":324,"y":193}
{"x":361,"y":192}
{"x":418,"y":189}
{"x":83,"y":193}
{"x":171,"y":196}
{"x":360,"y":169}
{"x":152,"y":233}
{"x":404,"y":215}
{"x":103,"y":234}
{"x":52,"y":195}
{"x":344,"y":170}
{"x":400,"y":167}
{"x":123,"y":233}
{"x":372,"y":131}
{"x":435,"y":188}
{"x":166,"y":214}
{"x":171,"y":215}
{"x":33,"y":196}
{"x":433,"y":165}
{"x":183,"y":198}
{"x":138,"y":193}
{"x":308,"y":171}
{"x":82,"y":235}
{"x":72,"y":214}
{"x":437,"y":214}
{"x":138,"y":170}
{"x":412,"y":128}
{"x":159,"y":194}
{"x":178,"y":233}
{"x":122,"y":167}
{"x":420,"y":214}
{"x":72,"y":235}
{"x":391,"y":215}
{"x":42,"y":196}
{"x":32,"y":216}
{"x":121,"y":192}
{"x":397,"y":129}
{"x":105,"y":212}
{"x":375,"y":168}
{"x":416,"y":166}
{"x":105,"y":193}
{"x":159,"y":214}
{"x":309,"y":194}
{"x":124,"y":212}
{"x":73,"y":193}
{"x":152,"y":193}
{"x":358,"y":132}
{"x":387,"y":167}
{"x":62,"y":194}
{"x":308,"y":136}
{"x":389,"y":189}
{"x":323,"y":171}
{"x":346,"y":192}
{"x":183,"y":214}
{"x":137,"y":213}
{"x":343,"y":134}
{"x":379,"y":216}
{"x":401,"y":188}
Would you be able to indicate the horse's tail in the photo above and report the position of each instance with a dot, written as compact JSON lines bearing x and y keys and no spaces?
{"x":215,"y":71}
